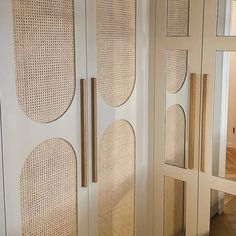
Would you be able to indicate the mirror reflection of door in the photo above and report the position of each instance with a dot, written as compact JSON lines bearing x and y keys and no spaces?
{"x":223,"y":205}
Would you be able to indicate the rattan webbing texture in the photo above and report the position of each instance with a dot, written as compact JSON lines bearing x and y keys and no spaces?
{"x":48,"y":190}
{"x":175,"y":136}
{"x":116,"y":44}
{"x":176,"y":69}
{"x":44,"y":57}
{"x":178,"y":18}
{"x":116,"y":172}
{"x":174,"y":204}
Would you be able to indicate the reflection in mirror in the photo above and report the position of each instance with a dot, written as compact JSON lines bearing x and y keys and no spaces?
{"x":174,"y":207}
{"x":176,"y":69}
{"x":177,"y":18}
{"x":224,"y":136}
{"x":226,"y":23}
{"x":175,"y":136}
{"x":223,"y":214}
{"x":177,"y":96}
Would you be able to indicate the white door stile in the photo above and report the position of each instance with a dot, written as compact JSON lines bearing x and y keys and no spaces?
{"x":151,"y":110}
{"x":207,"y":68}
{"x":2,"y":195}
{"x":143,"y":179}
{"x":81,"y":73}
{"x":91,"y":73}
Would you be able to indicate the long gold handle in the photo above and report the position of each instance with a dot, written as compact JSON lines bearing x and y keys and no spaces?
{"x":203,"y":128}
{"x":94,"y":128}
{"x":84,"y":180}
{"x":192,"y":116}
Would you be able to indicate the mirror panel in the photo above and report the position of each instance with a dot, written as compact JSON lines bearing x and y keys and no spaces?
{"x":177,"y":97}
{"x":223,"y":214}
{"x":224,"y":137}
{"x":226,"y":22}
{"x":176,"y":69}
{"x":177,"y":18}
{"x":175,"y":136}
{"x":174,"y":207}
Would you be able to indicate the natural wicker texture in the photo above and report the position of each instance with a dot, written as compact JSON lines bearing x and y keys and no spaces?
{"x":116,"y":44}
{"x":175,"y":136}
{"x":116,"y":180}
{"x":48,"y":190}
{"x":44,"y":57}
{"x":178,"y":18}
{"x":176,"y":69}
{"x":174,"y":205}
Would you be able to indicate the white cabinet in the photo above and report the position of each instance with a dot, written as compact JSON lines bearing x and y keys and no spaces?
{"x":74,"y":80}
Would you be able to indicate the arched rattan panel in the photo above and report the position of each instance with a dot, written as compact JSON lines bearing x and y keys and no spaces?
{"x":116,"y":49}
{"x":44,"y":57}
{"x":175,"y":136}
{"x":116,"y":180}
{"x":48,"y":190}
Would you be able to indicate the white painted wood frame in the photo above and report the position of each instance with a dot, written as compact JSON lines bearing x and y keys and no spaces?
{"x":193,"y":44}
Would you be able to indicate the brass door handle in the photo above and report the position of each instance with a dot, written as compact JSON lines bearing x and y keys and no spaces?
{"x":192,"y":117}
{"x":203,"y":127}
{"x":84,"y":179}
{"x":94,"y":128}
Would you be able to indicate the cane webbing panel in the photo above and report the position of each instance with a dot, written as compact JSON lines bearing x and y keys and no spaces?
{"x":174,"y":205}
{"x":48,"y":190}
{"x":178,"y":18}
{"x":44,"y":57}
{"x":175,"y":136}
{"x":116,"y":36}
{"x":176,"y":69}
{"x":116,"y":172}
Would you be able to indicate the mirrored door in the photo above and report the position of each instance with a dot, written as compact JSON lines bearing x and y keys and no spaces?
{"x":217,"y":186}
{"x":177,"y":105}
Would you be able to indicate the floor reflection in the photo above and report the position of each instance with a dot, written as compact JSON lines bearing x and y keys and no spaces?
{"x":231,"y":163}
{"x":225,"y":223}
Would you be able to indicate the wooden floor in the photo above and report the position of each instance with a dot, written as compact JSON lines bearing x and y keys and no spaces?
{"x":225,"y":224}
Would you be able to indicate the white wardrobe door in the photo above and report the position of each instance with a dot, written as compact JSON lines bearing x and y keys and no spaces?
{"x":44,"y":45}
{"x":117,"y":200}
{"x":41,"y":64}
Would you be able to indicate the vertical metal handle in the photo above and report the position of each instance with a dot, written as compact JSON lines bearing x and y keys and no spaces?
{"x":192,"y":116}
{"x":203,"y":128}
{"x":94,"y":128}
{"x":84,"y":180}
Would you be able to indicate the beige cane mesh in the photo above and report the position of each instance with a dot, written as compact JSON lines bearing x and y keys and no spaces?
{"x":48,"y":190}
{"x":44,"y":57}
{"x":175,"y":136}
{"x":116,"y":36}
{"x":116,"y":172}
{"x":178,"y":18}
{"x":176,"y":69}
{"x":174,"y":205}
